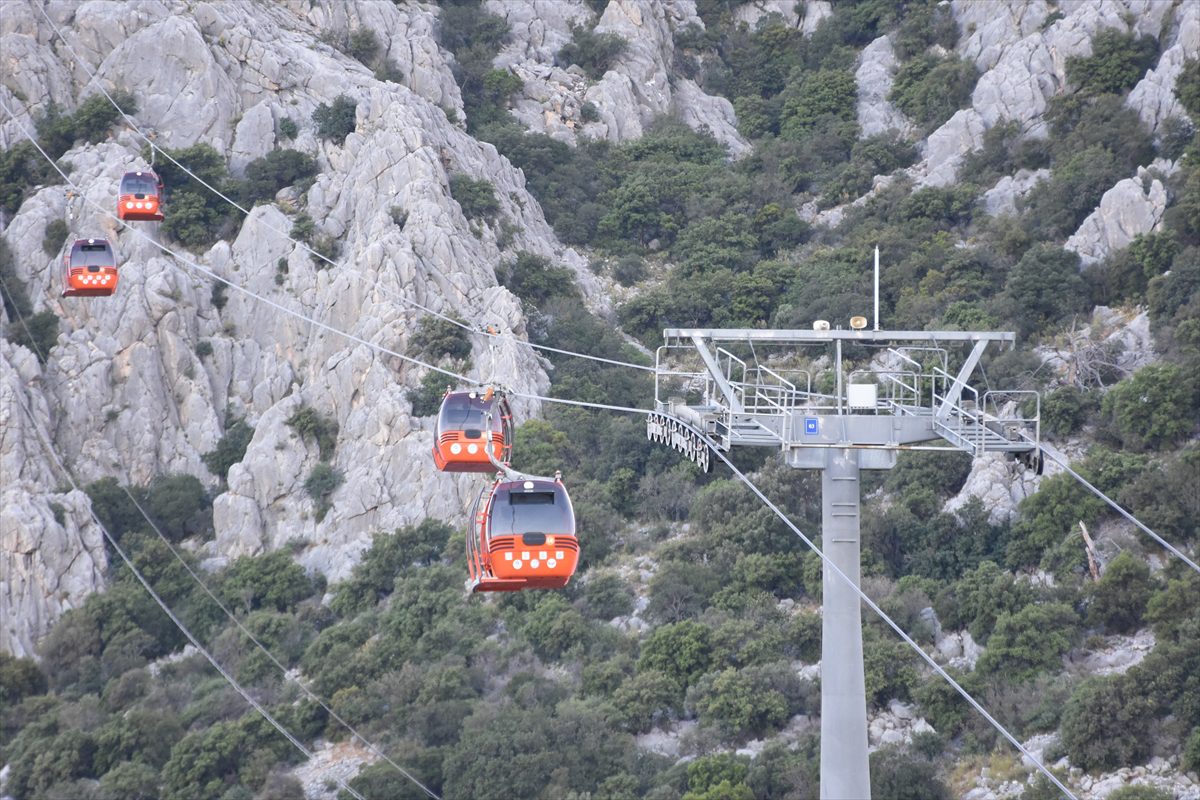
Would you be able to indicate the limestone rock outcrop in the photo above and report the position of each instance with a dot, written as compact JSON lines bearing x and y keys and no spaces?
{"x":1134,"y":206}
{"x":156,"y":402}
{"x":1002,"y":198}
{"x":1023,"y":64}
{"x":1154,"y":97}
{"x":999,"y":483}
{"x":51,"y":552}
{"x":637,"y":90}
{"x":876,"y":69}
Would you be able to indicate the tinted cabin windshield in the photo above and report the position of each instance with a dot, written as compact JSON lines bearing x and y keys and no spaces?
{"x":91,"y":255}
{"x":138,"y":184}
{"x":461,"y":412}
{"x":542,"y":510}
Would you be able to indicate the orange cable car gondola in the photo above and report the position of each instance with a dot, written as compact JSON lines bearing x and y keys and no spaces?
{"x":521,"y":535}
{"x":140,"y":197}
{"x":89,"y":269}
{"x":466,"y":423}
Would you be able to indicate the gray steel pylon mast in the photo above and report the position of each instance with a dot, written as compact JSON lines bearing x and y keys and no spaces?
{"x":902,"y":398}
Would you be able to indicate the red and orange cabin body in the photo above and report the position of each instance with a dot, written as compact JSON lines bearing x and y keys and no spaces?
{"x":90,"y":269}
{"x":523,"y":537}
{"x":464,"y":428}
{"x":140,"y":197}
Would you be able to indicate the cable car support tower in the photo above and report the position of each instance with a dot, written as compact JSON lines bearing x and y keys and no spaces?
{"x":908,"y":397}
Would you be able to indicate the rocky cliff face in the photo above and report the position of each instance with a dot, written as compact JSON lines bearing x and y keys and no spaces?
{"x":124,"y":392}
{"x":638,"y":89}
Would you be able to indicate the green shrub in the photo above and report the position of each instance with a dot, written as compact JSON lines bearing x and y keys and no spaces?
{"x":1066,"y":409}
{"x":1140,"y":792}
{"x":374,"y":577}
{"x":426,"y":399}
{"x":1054,"y":512}
{"x":204,"y":348}
{"x":1044,"y":287}
{"x":1187,"y":87}
{"x":95,"y":114}
{"x":741,"y":701}
{"x":303,"y":228}
{"x":179,"y":505}
{"x":1106,"y":724}
{"x":929,"y":88}
{"x":979,"y":598}
{"x":925,"y":25}
{"x":288,"y":128}
{"x":1054,"y":208}
{"x":90,"y":122}
{"x":720,"y":776}
{"x":499,"y":85}
{"x":1154,"y":408}
{"x":1118,"y":61}
{"x":1030,"y":641}
{"x":1003,"y":152}
{"x":477,"y":198}
{"x":277,"y":169}
{"x":21,"y":169}
{"x":19,"y":678}
{"x":1125,"y":275}
{"x":831,"y":93}
{"x":593,"y":52}
{"x":535,"y":281}
{"x":56,"y":233}
{"x":555,"y":628}
{"x":321,"y":483}
{"x":38,"y":332}
{"x":681,"y":651}
{"x":644,"y":699}
{"x":130,"y":780}
{"x":192,"y":221}
{"x":629,"y":269}
{"x":336,"y":121}
{"x":362,"y":45}
{"x":475,"y":37}
{"x":231,"y":448}
{"x":1191,"y":752}
{"x":437,"y":338}
{"x":307,"y":422}
{"x":1119,"y":598}
{"x":1163,"y":498}
{"x":270,"y":581}
{"x":899,"y":776}
{"x":888,"y":670}
{"x":112,"y":505}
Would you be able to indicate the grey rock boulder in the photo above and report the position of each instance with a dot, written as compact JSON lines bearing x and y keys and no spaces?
{"x":1133,"y":206}
{"x":876,"y":70}
{"x":1154,"y":98}
{"x":1002,"y":198}
{"x":51,"y":552}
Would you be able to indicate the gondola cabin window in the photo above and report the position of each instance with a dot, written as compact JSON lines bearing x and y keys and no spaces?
{"x":90,"y":269}
{"x":466,"y":423}
{"x":140,"y":197}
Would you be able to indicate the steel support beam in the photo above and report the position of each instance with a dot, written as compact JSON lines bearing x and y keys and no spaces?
{"x":714,"y":370}
{"x":807,"y":336}
{"x":845,"y":774}
{"x":954,"y":392}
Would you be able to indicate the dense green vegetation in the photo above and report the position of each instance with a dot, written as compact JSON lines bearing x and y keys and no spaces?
{"x":539,"y":694}
{"x":336,"y":120}
{"x":22,"y":167}
{"x":36,"y":331}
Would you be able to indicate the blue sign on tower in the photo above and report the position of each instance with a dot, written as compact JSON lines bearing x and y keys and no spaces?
{"x":811,"y":427}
